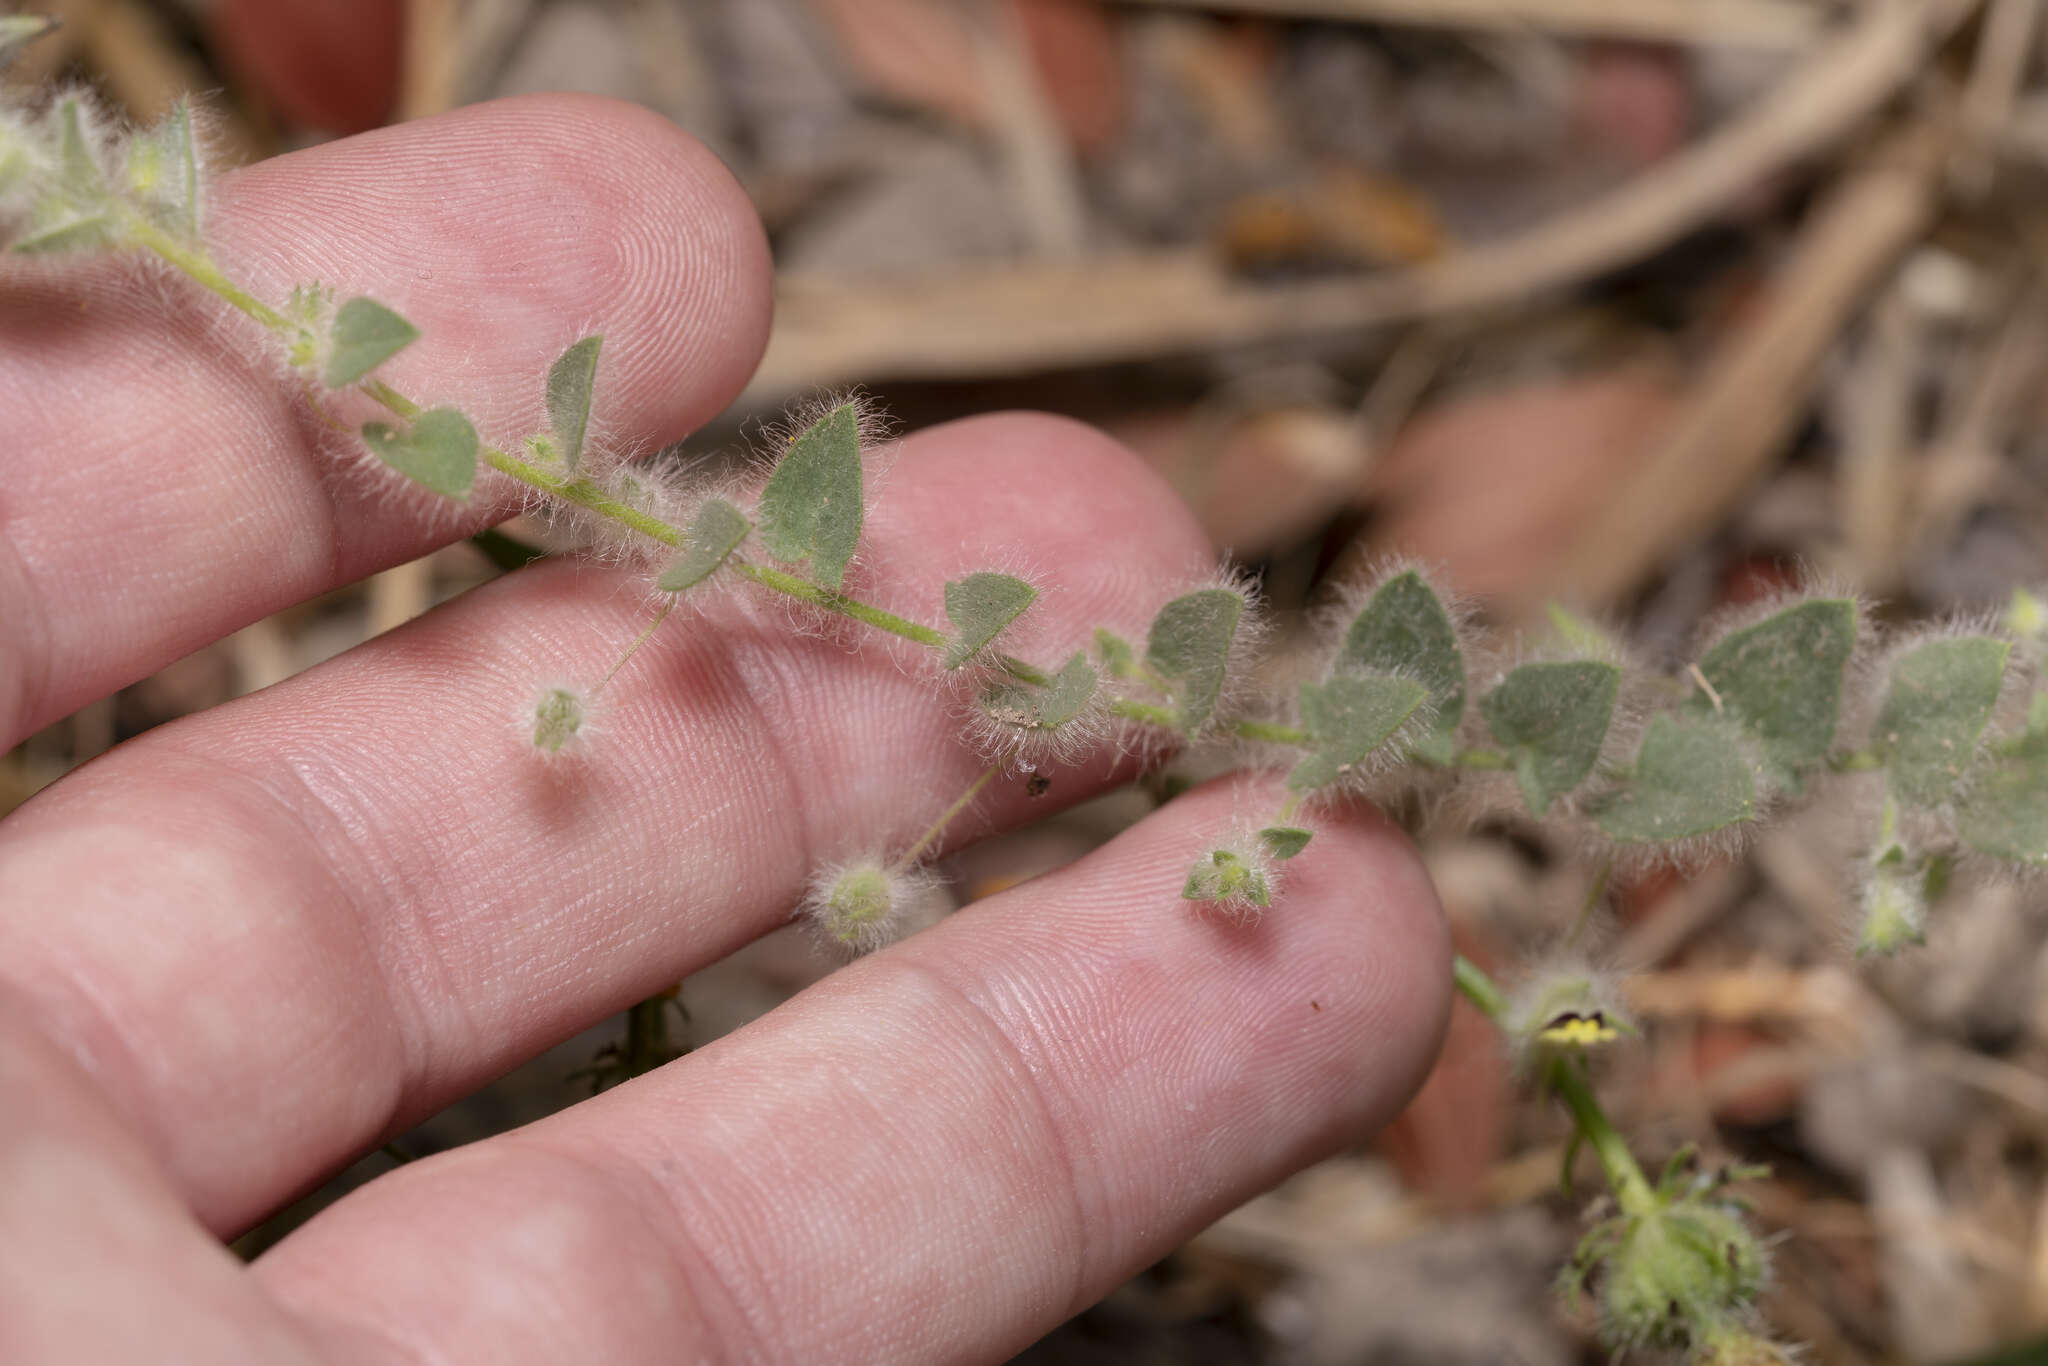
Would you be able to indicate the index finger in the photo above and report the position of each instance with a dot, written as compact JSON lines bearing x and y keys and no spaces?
{"x":166,"y":485}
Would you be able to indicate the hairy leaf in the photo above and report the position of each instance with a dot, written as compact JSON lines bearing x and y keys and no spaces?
{"x":715,"y":533}
{"x":1190,"y":644}
{"x":1024,"y":707}
{"x":980,"y":606}
{"x":2005,"y":814}
{"x":1283,"y":842}
{"x":811,"y":508}
{"x":1224,"y":875}
{"x":438,"y":450}
{"x":163,"y":171}
{"x":1936,"y":706}
{"x":1689,"y":780}
{"x":1552,"y":719}
{"x":80,"y":168}
{"x":1405,"y":629}
{"x":365,"y":334}
{"x":1118,"y":654}
{"x":1348,"y":718}
{"x":1781,"y":680}
{"x":67,"y":232}
{"x":570,"y":380}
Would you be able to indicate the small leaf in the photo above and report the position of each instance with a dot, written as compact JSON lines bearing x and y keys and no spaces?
{"x":1073,"y":688}
{"x":716,"y":532}
{"x":980,"y":606}
{"x":365,"y":335}
{"x":1689,"y":780}
{"x":1283,"y":842}
{"x":570,"y":380}
{"x":439,"y":450}
{"x":1935,"y":709}
{"x":1552,"y":718}
{"x":2006,"y":812}
{"x":81,"y":168}
{"x":811,"y":509}
{"x":1781,"y":680}
{"x":1023,"y":707}
{"x":1349,"y":717}
{"x":18,"y":30}
{"x":1578,"y":635}
{"x":1118,"y":655}
{"x":163,"y":171}
{"x":1894,"y":909}
{"x":67,"y":234}
{"x":1189,"y":644}
{"x":1404,"y":629}
{"x":1225,"y":875}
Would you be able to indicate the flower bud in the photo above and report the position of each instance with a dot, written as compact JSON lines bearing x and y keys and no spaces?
{"x":1236,"y":878}
{"x":1563,"y":1010}
{"x":863,"y":905}
{"x":1683,"y":1273}
{"x":557,"y":720}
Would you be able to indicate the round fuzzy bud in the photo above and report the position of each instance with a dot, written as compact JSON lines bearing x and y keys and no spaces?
{"x":864,"y":905}
{"x":557,"y":720}
{"x":1236,"y":878}
{"x":1680,"y":1275}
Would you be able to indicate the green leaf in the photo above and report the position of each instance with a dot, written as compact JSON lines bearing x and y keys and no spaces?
{"x":1781,"y":680}
{"x":81,"y":169}
{"x":2006,"y":812}
{"x":1552,"y":719}
{"x":1935,"y":709}
{"x":980,"y":606}
{"x":1023,"y":707}
{"x":365,"y":335}
{"x":438,"y":450}
{"x":1348,"y":718}
{"x":163,"y":171}
{"x":18,"y":30}
{"x":1189,"y":645}
{"x":1576,"y":634}
{"x":1224,"y":875}
{"x":569,"y":384}
{"x":1073,"y":688}
{"x":811,"y":509}
{"x":1118,"y":655}
{"x":1283,"y":842}
{"x":716,"y":532}
{"x":67,"y":234}
{"x":1404,"y":629}
{"x":1690,"y":779}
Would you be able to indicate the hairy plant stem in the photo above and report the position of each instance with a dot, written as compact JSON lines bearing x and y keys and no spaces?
{"x":948,"y":816}
{"x":1567,"y":1081}
{"x":587,"y":494}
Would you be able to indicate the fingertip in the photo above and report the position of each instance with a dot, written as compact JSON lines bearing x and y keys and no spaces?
{"x":1364,"y":875}
{"x":507,"y":230}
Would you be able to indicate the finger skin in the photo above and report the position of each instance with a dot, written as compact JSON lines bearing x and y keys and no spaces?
{"x":305,"y":920}
{"x":935,"y":1155}
{"x":165,"y":484}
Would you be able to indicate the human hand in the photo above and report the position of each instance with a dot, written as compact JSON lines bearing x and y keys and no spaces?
{"x":249,"y":945}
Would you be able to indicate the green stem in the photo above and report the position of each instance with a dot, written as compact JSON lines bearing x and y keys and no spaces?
{"x":947,"y":817}
{"x":1480,"y":758}
{"x":583,"y":492}
{"x":1144,"y":711}
{"x":1272,"y":732}
{"x":202,"y":269}
{"x":1631,"y":1188}
{"x":832,"y":600}
{"x":638,"y":641}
